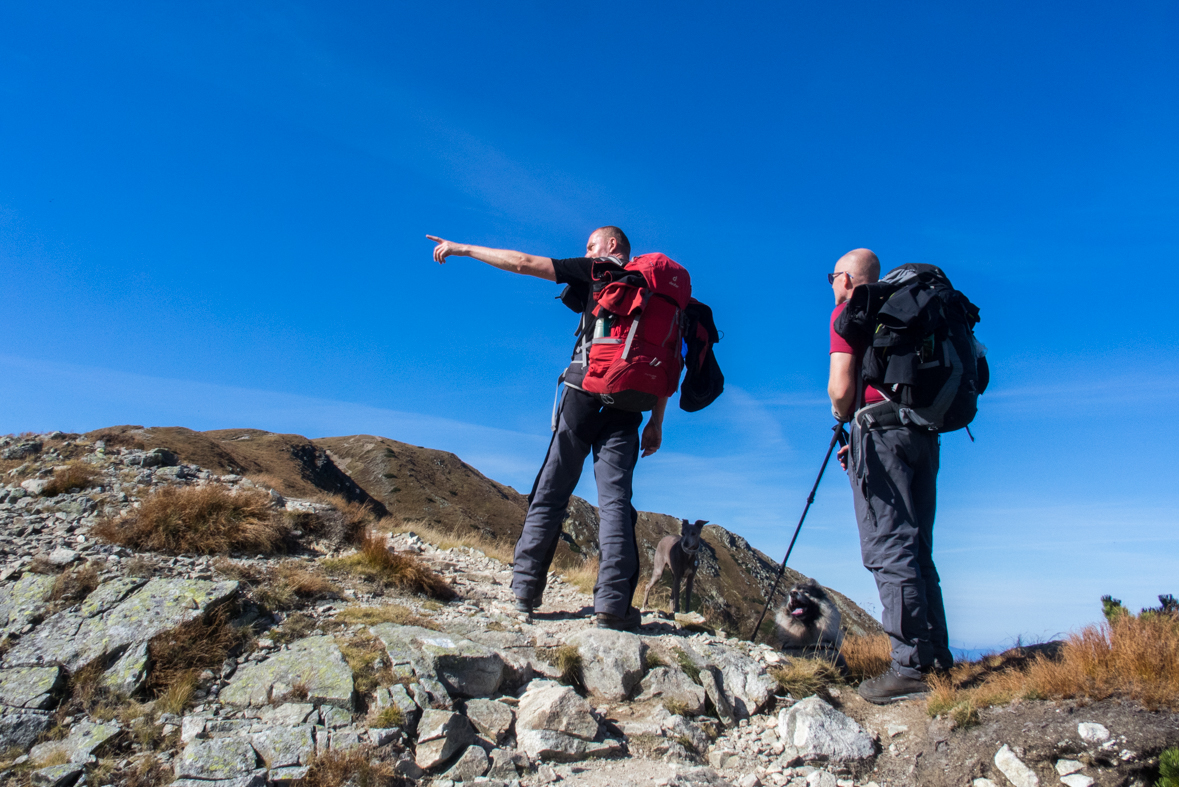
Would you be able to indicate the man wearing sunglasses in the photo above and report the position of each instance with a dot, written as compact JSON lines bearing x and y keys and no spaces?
{"x":893,"y":477}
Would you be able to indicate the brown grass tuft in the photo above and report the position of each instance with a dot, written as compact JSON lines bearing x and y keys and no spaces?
{"x":363,"y":652}
{"x":866,"y":657}
{"x":375,"y":562}
{"x":387,"y":717}
{"x":1133,"y":657}
{"x":389,"y":613}
{"x":567,"y":659}
{"x":346,"y":524}
{"x":355,"y":768}
{"x":282,"y":587}
{"x":199,"y":519}
{"x":74,"y":475}
{"x":802,"y":678}
{"x":500,"y":550}
{"x":296,"y":626}
{"x":178,"y":656}
{"x":583,"y":575}
{"x":75,"y":584}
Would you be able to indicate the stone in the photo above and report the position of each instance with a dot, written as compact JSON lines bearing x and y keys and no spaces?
{"x":1092,"y":732}
{"x":549,"y":706}
{"x":255,"y":779}
{"x":611,"y":662}
{"x":343,"y":740}
{"x":220,"y":758}
{"x":720,"y":700}
{"x":697,"y":777}
{"x":1013,"y":768}
{"x":472,"y":764}
{"x":552,"y":746}
{"x":31,"y":687}
{"x":57,"y":775}
{"x":35,"y":486}
{"x":896,"y":729}
{"x":108,"y":594}
{"x":980,"y":782}
{"x":22,"y":450}
{"x":24,"y":601}
{"x":493,"y":720}
{"x":289,"y":775}
{"x":85,"y":738}
{"x":672,"y":685}
{"x":462,"y":667}
{"x":744,"y":680}
{"x":506,"y":764}
{"x":441,"y":735}
{"x":159,"y":457}
{"x":288,"y":714}
{"x":821,"y":779}
{"x":61,"y":557}
{"x":314,"y":663}
{"x":334,"y":717}
{"x":192,"y":727}
{"x":127,"y":674}
{"x":1065,"y":767}
{"x":379,"y":736}
{"x":679,"y":727}
{"x":73,"y":639}
{"x":749,"y":780}
{"x":821,"y":733}
{"x":1077,"y":780}
{"x":281,"y":747}
{"x":406,"y":766}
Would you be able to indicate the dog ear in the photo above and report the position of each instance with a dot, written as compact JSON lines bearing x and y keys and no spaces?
{"x":699,"y":522}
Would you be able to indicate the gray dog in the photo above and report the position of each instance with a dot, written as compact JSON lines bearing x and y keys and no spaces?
{"x":681,"y":554}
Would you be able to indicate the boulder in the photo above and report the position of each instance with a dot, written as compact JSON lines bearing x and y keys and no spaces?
{"x":1092,"y":732}
{"x":23,"y":602}
{"x":471,"y":765}
{"x":492,"y":720}
{"x":289,"y":714}
{"x":61,"y":557}
{"x":22,"y":450}
{"x":611,"y":662}
{"x":720,"y":700}
{"x":672,"y":685}
{"x":744,"y":680}
{"x":441,"y":735}
{"x":1014,"y":769}
{"x":679,"y":727}
{"x":127,"y":674}
{"x":31,"y":687}
{"x":507,"y":764}
{"x":282,"y":747}
{"x":220,"y":758}
{"x":552,"y":746}
{"x":697,"y":777}
{"x":75,"y":639}
{"x":314,"y":663}
{"x":549,"y":706}
{"x":19,"y":727}
{"x":463,"y":668}
{"x":35,"y":486}
{"x":821,"y":733}
{"x":84,"y":739}
{"x":57,"y":775}
{"x":397,"y":695}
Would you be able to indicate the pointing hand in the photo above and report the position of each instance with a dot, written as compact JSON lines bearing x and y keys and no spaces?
{"x":445,"y":249}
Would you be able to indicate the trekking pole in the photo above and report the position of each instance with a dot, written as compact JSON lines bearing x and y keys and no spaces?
{"x":839,"y":437}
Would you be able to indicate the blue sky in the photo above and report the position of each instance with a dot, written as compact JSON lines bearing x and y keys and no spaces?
{"x":214,"y":217}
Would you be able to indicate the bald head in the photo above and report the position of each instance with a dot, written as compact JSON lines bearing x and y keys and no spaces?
{"x":861,"y":264}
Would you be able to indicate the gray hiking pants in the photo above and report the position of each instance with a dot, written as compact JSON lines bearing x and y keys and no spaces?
{"x":893,"y":475}
{"x":583,"y":425}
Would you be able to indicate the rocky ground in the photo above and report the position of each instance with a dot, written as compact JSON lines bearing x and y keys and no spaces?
{"x":433,"y":692}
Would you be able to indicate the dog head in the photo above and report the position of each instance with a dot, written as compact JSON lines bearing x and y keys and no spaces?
{"x":806,"y":602}
{"x":690,"y":534}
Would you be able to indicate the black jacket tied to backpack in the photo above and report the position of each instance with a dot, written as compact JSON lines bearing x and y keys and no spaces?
{"x":920,"y":353}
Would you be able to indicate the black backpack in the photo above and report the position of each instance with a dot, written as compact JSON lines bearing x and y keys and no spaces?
{"x":921,"y":351}
{"x":703,"y":379}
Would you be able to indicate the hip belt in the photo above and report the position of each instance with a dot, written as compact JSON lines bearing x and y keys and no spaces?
{"x":879,"y":415}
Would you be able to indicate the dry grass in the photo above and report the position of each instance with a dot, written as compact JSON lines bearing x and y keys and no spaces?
{"x":389,"y":613}
{"x":178,"y":656}
{"x":355,"y":768}
{"x":567,"y":659}
{"x":75,"y":584}
{"x":375,"y":562}
{"x":1133,"y":657}
{"x":387,"y":717}
{"x":204,"y":520}
{"x":363,"y":653}
{"x":296,"y":626}
{"x":500,"y":550}
{"x":583,"y":575}
{"x":74,"y":475}
{"x":281,"y":587}
{"x":805,"y":677}
{"x":866,"y":657}
{"x":687,"y":665}
{"x":139,"y":566}
{"x":347,"y":523}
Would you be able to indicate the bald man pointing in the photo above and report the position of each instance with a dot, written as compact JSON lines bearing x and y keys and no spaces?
{"x":893,"y":472}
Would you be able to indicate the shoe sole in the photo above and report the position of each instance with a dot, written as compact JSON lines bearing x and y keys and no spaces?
{"x":897,"y":698}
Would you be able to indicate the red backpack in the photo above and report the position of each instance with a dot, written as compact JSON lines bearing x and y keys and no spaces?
{"x":635,"y":345}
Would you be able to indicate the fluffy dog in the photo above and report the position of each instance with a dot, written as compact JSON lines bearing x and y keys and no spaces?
{"x":808,"y":624}
{"x":680,"y":554}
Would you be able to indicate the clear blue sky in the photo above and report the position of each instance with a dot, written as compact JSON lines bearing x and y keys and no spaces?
{"x":212,"y":215}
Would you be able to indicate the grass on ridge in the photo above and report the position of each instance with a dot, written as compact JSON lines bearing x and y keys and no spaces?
{"x":74,"y":475}
{"x":374,"y":561}
{"x":389,"y":613}
{"x":206,"y":520}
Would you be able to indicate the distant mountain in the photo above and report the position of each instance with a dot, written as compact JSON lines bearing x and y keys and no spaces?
{"x":415,"y":483}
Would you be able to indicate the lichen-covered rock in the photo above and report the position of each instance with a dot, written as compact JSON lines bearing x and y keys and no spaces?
{"x":57,"y":775}
{"x":493,"y":720}
{"x":289,"y":714}
{"x":552,"y":746}
{"x":471,"y":765}
{"x":31,"y":687}
{"x":549,"y":706}
{"x":463,"y":667}
{"x":127,"y":674}
{"x":397,"y":695}
{"x":19,"y":727}
{"x":73,"y":639}
{"x":285,"y":746}
{"x":220,"y":758}
{"x":23,"y":601}
{"x":314,"y":663}
{"x":821,"y":733}
{"x":672,"y":685}
{"x":441,"y":735}
{"x":611,"y":662}
{"x":108,"y":594}
{"x":85,"y":738}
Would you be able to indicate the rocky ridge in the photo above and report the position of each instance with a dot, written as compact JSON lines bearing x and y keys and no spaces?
{"x":463,"y":691}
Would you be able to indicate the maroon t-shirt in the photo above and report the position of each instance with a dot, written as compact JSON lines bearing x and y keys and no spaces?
{"x":841,"y":345}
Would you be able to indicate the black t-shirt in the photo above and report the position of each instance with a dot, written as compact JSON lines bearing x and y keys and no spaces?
{"x":577,"y":274}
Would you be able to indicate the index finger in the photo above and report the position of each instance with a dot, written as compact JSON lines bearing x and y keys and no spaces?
{"x":436,"y":240}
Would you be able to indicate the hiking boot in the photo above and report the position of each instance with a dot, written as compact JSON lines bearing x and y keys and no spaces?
{"x":892,"y":687}
{"x":525,"y":606}
{"x":631,"y":622}
{"x":941,"y":667}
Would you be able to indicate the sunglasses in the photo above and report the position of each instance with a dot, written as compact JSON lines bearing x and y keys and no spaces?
{"x":832,"y":276}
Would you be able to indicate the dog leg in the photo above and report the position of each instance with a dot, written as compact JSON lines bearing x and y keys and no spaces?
{"x":656,"y":575}
{"x":676,"y":578}
{"x":688,"y":591}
